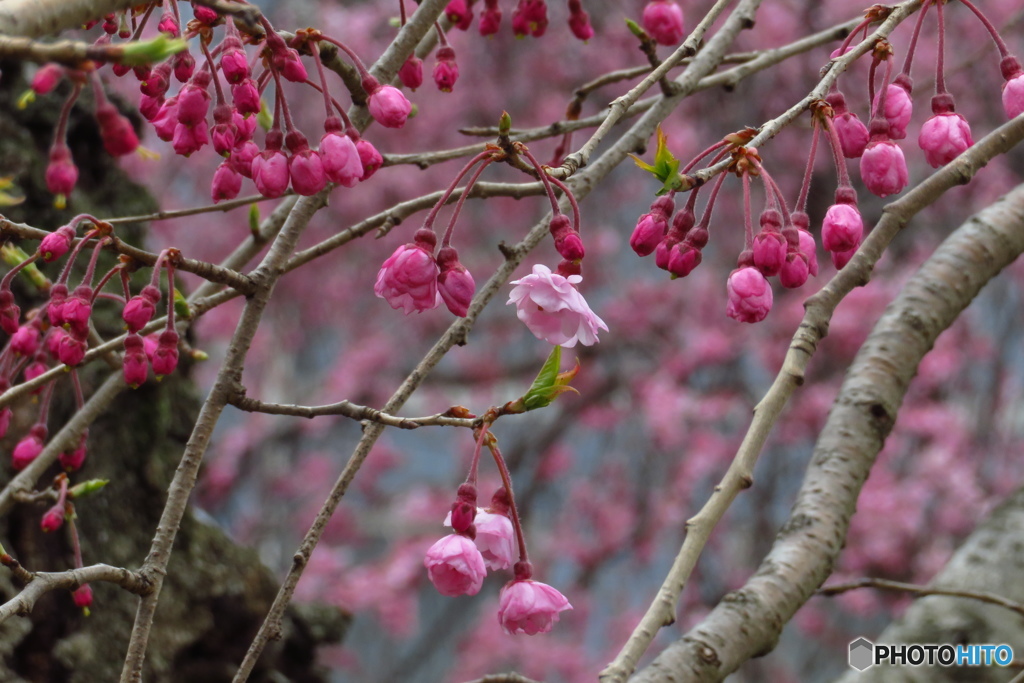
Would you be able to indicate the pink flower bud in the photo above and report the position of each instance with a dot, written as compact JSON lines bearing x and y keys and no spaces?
{"x":184,"y":66}
{"x":53,"y":518}
{"x":5,"y":421}
{"x":10,"y":313}
{"x":234,"y":64}
{"x":136,"y":364}
{"x":809,"y":249}
{"x":25,"y":341}
{"x":455,"y":566}
{"x":408,"y":278}
{"x":750,"y":295}
{"x":47,"y":78}
{"x":567,"y":241}
{"x":841,"y":258}
{"x":29,"y":448}
{"x":166,"y":120}
{"x":898,"y":109}
{"x":388,"y":106}
{"x":205,"y":14}
{"x":57,"y":243}
{"x":446,"y":71}
{"x":1013,"y":96}
{"x":411,"y":73}
{"x":307,"y":172}
{"x":190,"y":139}
{"x":680,"y":258}
{"x":529,"y":607}
{"x":648,"y":233}
{"x":158,"y":81}
{"x":270,"y":173}
{"x":842,"y":228}
{"x":944,"y":137}
{"x":119,"y":137}
{"x":454,"y":283}
{"x":530,"y":17}
{"x":194,"y":99}
{"x":73,"y":461}
{"x":141,"y":308}
{"x":579,"y":21}
{"x":165,"y":358}
{"x":769,"y":252}
{"x":853,"y":134}
{"x":490,"y":19}
{"x":496,"y":540}
{"x":340,"y":159}
{"x":242,"y":157}
{"x":288,"y":63}
{"x":369,"y":157}
{"x":246,"y":97}
{"x":883,"y":168}
{"x":663,"y":21}
{"x":227,"y":182}
{"x":34,"y":369}
{"x":53,"y":340}
{"x":78,"y":309}
{"x":82,"y":596}
{"x":55,"y":307}
{"x":150,"y":107}
{"x":72,"y":349}
{"x":795,"y":271}
{"x":168,"y":24}
{"x":460,"y":13}
{"x":225,"y":132}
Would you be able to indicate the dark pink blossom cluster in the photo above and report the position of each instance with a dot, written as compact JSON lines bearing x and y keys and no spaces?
{"x":529,"y":18}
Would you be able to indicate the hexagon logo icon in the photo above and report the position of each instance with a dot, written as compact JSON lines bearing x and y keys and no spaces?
{"x":862,"y":654}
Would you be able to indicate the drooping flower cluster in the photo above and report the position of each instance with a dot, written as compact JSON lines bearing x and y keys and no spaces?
{"x":486,"y":540}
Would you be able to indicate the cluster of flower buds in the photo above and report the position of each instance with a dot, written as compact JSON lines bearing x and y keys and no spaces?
{"x":529,"y":18}
{"x":486,"y":539}
{"x":416,"y":280}
{"x":220,"y":101}
{"x":59,"y":332}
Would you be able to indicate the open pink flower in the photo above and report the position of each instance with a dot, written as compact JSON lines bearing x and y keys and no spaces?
{"x":495,"y":538}
{"x":408,"y":279}
{"x":553,"y":308}
{"x":750,"y":295}
{"x":455,"y":566}
{"x":529,"y":607}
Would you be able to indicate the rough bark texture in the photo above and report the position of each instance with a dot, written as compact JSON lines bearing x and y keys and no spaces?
{"x":991,"y":560}
{"x":217,"y":592}
{"x":747,"y":622}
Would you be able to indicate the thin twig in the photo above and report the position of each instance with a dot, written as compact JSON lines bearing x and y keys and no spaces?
{"x":352,"y":410}
{"x":179,"y":213}
{"x":885,"y":584}
{"x":44,"y":582}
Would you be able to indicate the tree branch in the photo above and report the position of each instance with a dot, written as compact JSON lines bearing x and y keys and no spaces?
{"x":37,"y":18}
{"x":863,"y":414}
{"x":914,"y":589}
{"x":44,"y":582}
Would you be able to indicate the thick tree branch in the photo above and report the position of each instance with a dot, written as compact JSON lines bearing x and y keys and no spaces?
{"x":748,"y":621}
{"x":36,"y":18}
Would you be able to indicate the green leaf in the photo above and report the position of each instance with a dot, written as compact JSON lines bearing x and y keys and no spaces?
{"x":181,"y":308}
{"x":150,"y":51}
{"x":87,"y":487}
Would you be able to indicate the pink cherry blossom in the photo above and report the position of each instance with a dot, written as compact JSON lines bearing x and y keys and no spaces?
{"x":119,"y":137}
{"x":136,"y":364}
{"x":495,"y":538}
{"x":454,"y":283}
{"x":227,"y":182}
{"x":370,"y":158}
{"x":270,"y":173}
{"x":883,"y":168}
{"x":529,"y":607}
{"x":61,"y":172}
{"x":53,"y":518}
{"x":455,"y":566}
{"x":944,"y":137}
{"x":663,"y":21}
{"x":165,"y":357}
{"x":411,"y":73}
{"x":57,"y":243}
{"x":307,"y":172}
{"x":408,"y":280}
{"x":750,"y":295}
{"x":651,"y":227}
{"x":554,"y":310}
{"x":853,"y":134}
{"x":446,"y":71}
{"x":25,"y":341}
{"x":579,"y":21}
{"x":29,"y":448}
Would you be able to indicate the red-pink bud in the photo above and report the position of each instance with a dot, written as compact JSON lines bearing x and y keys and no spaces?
{"x":165,"y":358}
{"x":72,"y":349}
{"x":166,"y":120}
{"x":194,"y":99}
{"x":10,"y":313}
{"x":307,"y":172}
{"x":205,"y":14}
{"x":119,"y":137}
{"x":73,"y":461}
{"x":287,"y":62}
{"x":190,"y":139}
{"x":184,"y":66}
{"x":663,"y":21}
{"x":841,"y":258}
{"x":242,"y":157}
{"x":769,"y":252}
{"x":883,"y":168}
{"x":530,"y":17}
{"x":490,"y":19}
{"x":454,"y":283}
{"x":270,"y":173}
{"x":82,"y":596}
{"x":233,"y":62}
{"x":141,"y":308}
{"x":944,"y":137}
{"x":246,"y":97}
{"x":750,"y":296}
{"x":369,"y":157}
{"x":460,"y":13}
{"x":842,"y":227}
{"x":446,"y":71}
{"x":1013,"y":96}
{"x":340,"y":159}
{"x":25,"y":342}
{"x":168,"y":24}
{"x":898,"y":108}
{"x":57,"y":243}
{"x":150,"y":107}
{"x":158,"y":81}
{"x":411,"y":73}
{"x":29,"y":448}
{"x":388,"y":106}
{"x":47,"y":78}
{"x":53,"y":518}
{"x":136,"y":364}
{"x":579,"y":21}
{"x":795,"y":271}
{"x":227,"y":182}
